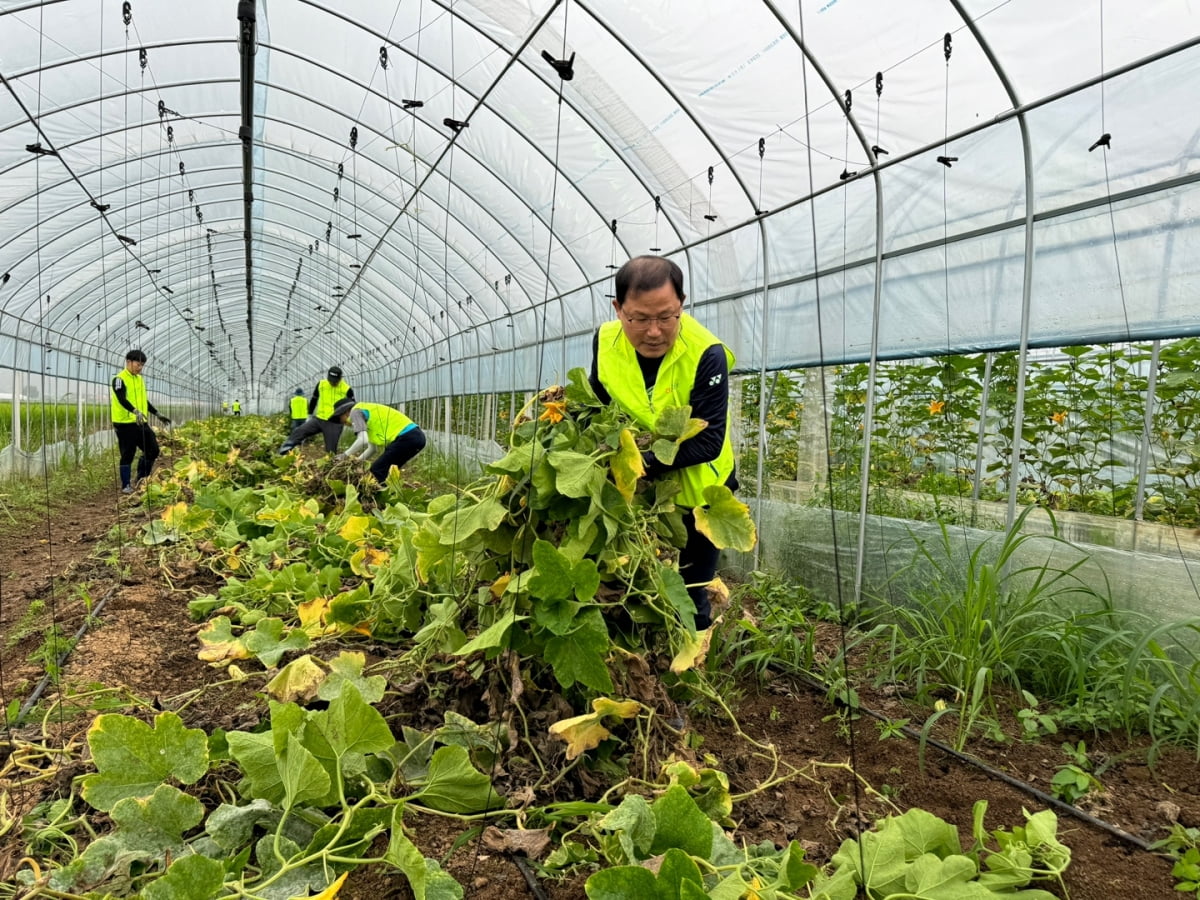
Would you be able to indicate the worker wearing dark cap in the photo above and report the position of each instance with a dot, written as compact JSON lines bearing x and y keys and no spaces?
{"x":329,"y":391}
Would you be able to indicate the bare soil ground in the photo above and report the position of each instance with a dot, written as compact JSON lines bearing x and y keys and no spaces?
{"x":143,"y":644}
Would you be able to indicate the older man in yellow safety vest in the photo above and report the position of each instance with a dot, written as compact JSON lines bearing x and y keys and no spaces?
{"x":654,"y":356}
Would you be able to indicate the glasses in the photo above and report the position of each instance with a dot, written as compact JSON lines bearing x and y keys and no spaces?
{"x":663,"y":322}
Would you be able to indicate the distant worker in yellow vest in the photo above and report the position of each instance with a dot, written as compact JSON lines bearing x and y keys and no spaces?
{"x":237,"y":407}
{"x":224,"y":407}
{"x":379,"y":428}
{"x":130,"y":406}
{"x":298,"y":409}
{"x":329,"y":391}
{"x":655,"y":356}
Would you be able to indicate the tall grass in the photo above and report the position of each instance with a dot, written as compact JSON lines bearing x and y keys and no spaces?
{"x":50,"y":422}
{"x":971,"y":626}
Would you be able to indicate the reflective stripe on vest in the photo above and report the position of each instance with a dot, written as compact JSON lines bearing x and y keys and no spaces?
{"x":135,"y":393}
{"x":299,"y":407}
{"x":617,"y":367}
{"x":328,"y":395}
{"x":383,"y":422}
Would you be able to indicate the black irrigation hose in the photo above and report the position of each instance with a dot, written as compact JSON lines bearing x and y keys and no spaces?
{"x":1042,"y":796}
{"x":62,"y":657}
{"x":530,"y":878}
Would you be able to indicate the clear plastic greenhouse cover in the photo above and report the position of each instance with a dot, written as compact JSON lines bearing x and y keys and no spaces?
{"x":419,"y":192}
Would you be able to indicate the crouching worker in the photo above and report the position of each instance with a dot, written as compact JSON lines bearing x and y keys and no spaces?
{"x":378,"y":427}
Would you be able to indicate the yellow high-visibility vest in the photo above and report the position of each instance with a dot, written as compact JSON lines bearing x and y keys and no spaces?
{"x":618,"y":369}
{"x":135,"y":393}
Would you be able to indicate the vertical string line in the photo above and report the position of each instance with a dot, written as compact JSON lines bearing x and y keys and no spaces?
{"x":847,"y":697}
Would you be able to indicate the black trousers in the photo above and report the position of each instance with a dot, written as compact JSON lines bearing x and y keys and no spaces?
{"x":332,"y":432}
{"x":698,"y":566}
{"x":132,"y":437}
{"x":398,"y":452}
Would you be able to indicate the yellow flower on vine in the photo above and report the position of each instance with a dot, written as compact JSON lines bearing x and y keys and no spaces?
{"x":1059,"y":417}
{"x":936,"y":407}
{"x":555,"y":412}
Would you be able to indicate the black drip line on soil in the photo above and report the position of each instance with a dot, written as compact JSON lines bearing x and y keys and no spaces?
{"x":1025,"y":787}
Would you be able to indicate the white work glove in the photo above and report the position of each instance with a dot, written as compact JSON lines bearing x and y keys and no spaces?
{"x":139,"y":417}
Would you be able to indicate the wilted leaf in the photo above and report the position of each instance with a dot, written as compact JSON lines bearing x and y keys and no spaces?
{"x":532,"y":842}
{"x":367,"y":559}
{"x":725,"y":520}
{"x":626,"y":464}
{"x":219,"y":642}
{"x":693,"y":651}
{"x":298,"y":680}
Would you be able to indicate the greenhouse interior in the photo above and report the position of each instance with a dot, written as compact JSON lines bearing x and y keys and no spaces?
{"x":757,"y":449}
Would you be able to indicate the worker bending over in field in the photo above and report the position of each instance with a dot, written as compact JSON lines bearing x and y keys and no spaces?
{"x":378,"y":427}
{"x":329,"y":391}
{"x":130,"y":406}
{"x":653,"y":356}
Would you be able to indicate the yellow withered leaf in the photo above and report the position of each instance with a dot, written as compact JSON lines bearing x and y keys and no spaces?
{"x":581,"y":733}
{"x":606,"y":706}
{"x":355,"y":529}
{"x":299,"y":680}
{"x":585,"y":732}
{"x":500,"y":584}
{"x":173,"y":515}
{"x":693,"y":651}
{"x":222,"y":651}
{"x":367,"y":559}
{"x":312,"y":617}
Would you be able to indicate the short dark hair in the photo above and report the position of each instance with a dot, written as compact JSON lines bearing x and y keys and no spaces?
{"x":646,"y":273}
{"x":135,"y":356}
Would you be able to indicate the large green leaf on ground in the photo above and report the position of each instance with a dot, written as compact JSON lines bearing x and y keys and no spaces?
{"x":453,"y":785}
{"x":347,"y":668}
{"x":302,"y":775}
{"x":192,"y":877}
{"x":680,"y":823}
{"x":270,"y":639}
{"x":132,"y":758}
{"x":725,"y":520}
{"x":579,"y":655}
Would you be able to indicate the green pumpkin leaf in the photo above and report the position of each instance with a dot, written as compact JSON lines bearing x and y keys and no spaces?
{"x":270,"y":639}
{"x":725,"y":520}
{"x":458,"y":525}
{"x":621,"y":883}
{"x":346,"y":668}
{"x":133,"y":758}
{"x":453,"y":785}
{"x":579,"y":656}
{"x":303,"y":776}
{"x":677,"y":869}
{"x":634,"y":825}
{"x":492,"y":637}
{"x":552,"y":579}
{"x":192,"y":877}
{"x":576,"y":474}
{"x":680,"y":823}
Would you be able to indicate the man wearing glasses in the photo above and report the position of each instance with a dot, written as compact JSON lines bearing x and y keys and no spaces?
{"x":654,"y":356}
